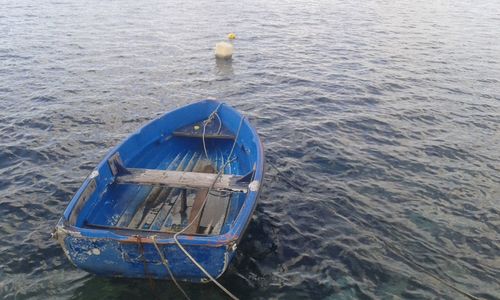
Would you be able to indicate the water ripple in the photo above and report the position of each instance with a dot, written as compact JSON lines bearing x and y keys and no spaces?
{"x":385,"y":113}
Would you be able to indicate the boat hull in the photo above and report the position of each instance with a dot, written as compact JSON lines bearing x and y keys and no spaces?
{"x":120,"y":252}
{"x":140,"y":259}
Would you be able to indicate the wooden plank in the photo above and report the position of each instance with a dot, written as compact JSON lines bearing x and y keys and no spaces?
{"x":141,"y":210}
{"x":165,"y":210}
{"x":167,"y":206}
{"x":207,"y":136}
{"x":153,"y":210}
{"x":177,"y":217}
{"x":130,"y":231}
{"x":213,"y":130}
{"x":134,"y":203}
{"x":156,"y":195}
{"x":214,"y":213}
{"x":182,"y":179}
{"x":195,"y":214}
{"x":115,"y":163}
{"x":82,"y":200}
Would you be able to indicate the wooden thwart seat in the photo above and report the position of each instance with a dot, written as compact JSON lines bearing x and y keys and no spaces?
{"x":212,"y":131}
{"x":182,"y":179}
{"x":206,"y":136}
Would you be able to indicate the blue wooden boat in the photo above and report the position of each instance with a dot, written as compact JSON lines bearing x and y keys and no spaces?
{"x":178,"y":192}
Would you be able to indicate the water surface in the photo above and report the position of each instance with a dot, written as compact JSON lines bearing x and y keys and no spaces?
{"x":386,"y":113}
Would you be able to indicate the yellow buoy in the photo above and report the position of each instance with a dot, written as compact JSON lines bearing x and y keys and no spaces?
{"x":225,"y":50}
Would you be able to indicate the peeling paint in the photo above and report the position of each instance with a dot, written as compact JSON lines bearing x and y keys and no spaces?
{"x":116,"y":257}
{"x":94,"y":174}
{"x":254,"y":186}
{"x":63,"y":231}
{"x":60,"y":235}
{"x":127,"y":253}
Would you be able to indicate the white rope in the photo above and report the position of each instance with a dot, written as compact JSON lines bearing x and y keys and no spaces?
{"x":220,"y":172}
{"x":206,"y":122}
{"x":162,"y":257}
{"x":203,"y":140}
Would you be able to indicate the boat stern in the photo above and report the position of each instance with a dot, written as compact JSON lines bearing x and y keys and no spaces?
{"x":137,"y":257}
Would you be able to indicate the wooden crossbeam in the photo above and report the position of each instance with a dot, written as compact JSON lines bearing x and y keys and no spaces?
{"x":213,"y":130}
{"x":207,"y":135}
{"x":182,"y":179}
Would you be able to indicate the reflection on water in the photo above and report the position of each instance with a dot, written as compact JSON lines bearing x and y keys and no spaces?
{"x":224,"y":67}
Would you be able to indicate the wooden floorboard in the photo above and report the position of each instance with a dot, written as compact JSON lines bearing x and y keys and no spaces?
{"x":151,"y":206}
{"x":199,"y":199}
{"x":178,"y":193}
{"x":138,"y":202}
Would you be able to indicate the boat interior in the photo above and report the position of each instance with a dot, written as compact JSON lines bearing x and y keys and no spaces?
{"x":162,"y":188}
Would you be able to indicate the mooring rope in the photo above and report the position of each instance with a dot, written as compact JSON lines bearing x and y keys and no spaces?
{"x":280,"y":174}
{"x":164,"y":261}
{"x":145,"y":264}
{"x":283,"y":177}
{"x":190,"y":224}
{"x":162,"y":257}
{"x":219,"y":173}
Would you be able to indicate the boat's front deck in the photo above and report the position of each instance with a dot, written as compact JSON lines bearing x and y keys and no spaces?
{"x":166,"y":208}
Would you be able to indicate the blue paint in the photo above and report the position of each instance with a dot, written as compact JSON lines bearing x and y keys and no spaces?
{"x":115,"y":253}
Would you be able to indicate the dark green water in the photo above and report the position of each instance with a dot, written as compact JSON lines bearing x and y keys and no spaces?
{"x":387,"y":113}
